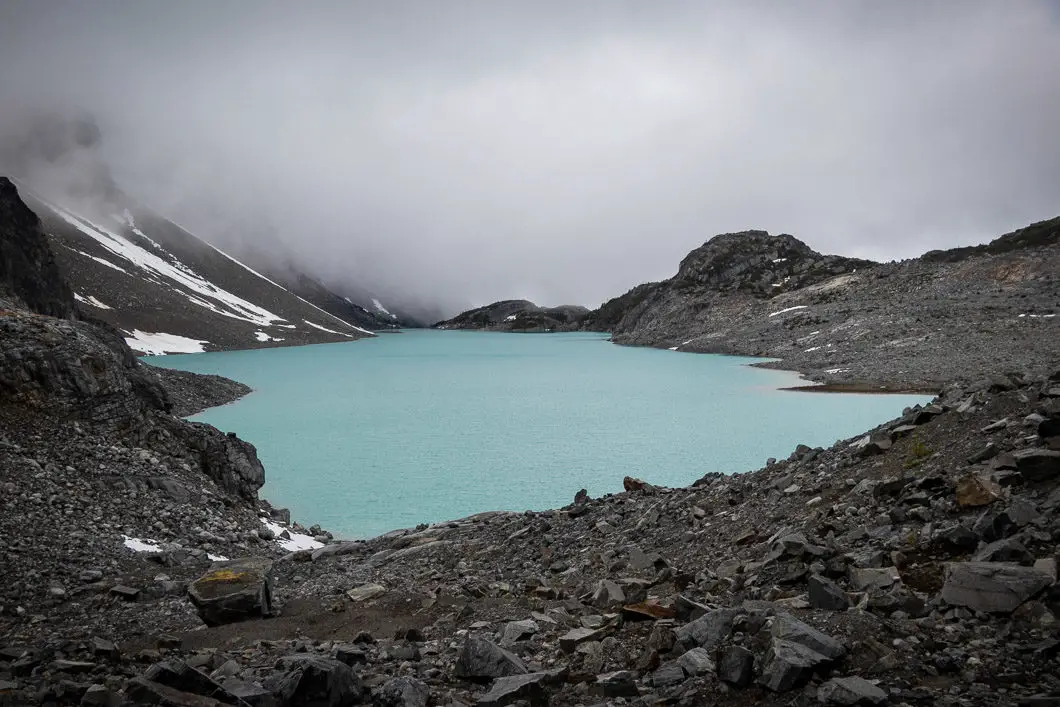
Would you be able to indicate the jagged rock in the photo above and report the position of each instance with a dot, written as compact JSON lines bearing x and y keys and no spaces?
{"x":366,"y":592}
{"x":826,"y":594}
{"x":697,"y":661}
{"x":608,"y":594}
{"x":688,"y":610}
{"x":1037,"y":464}
{"x":873,"y":444}
{"x":481,"y":659}
{"x":182,"y":677}
{"x":99,"y":696}
{"x":668,"y":675}
{"x":145,"y":692}
{"x":709,"y":630}
{"x":577,"y":636}
{"x":402,"y":692}
{"x":621,"y":683}
{"x":991,"y":587}
{"x":529,"y":687}
{"x":977,"y":490}
{"x":863,"y":578}
{"x":312,"y":681}
{"x":736,"y":665}
{"x":1005,"y":550}
{"x":787,"y":628}
{"x":851,"y":691}
{"x":515,"y":631}
{"x":788,"y":665}
{"x":232,"y":591}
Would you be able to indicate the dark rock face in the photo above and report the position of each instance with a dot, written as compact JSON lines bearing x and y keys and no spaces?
{"x":482,"y":660}
{"x":318,"y":682}
{"x":992,"y":587}
{"x":28,"y":272}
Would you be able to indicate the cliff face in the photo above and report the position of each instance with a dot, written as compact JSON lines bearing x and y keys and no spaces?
{"x":28,"y":272}
{"x":55,"y":366}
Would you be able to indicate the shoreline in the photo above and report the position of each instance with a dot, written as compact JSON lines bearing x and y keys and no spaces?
{"x":769,"y":364}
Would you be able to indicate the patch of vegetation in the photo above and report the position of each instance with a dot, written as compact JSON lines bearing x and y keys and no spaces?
{"x":918,"y":452}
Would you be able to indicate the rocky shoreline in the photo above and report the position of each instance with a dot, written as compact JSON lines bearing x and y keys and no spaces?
{"x":913,"y":565}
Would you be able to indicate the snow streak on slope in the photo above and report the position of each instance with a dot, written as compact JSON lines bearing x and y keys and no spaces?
{"x":330,"y":331}
{"x":206,"y":294}
{"x":322,"y":311}
{"x":381,"y":308}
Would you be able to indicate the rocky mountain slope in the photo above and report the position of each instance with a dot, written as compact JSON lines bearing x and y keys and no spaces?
{"x":907,"y":325}
{"x":167,"y":290}
{"x":517,"y":315}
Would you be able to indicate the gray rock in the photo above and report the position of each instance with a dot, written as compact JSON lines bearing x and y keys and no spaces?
{"x":366,"y":592}
{"x":849,"y":692}
{"x":507,"y":690}
{"x":668,"y":675}
{"x":235,"y":590}
{"x":1005,"y":550}
{"x":577,"y":636}
{"x":697,"y":661}
{"x":608,"y":595}
{"x":826,"y":594}
{"x":709,"y":630}
{"x":787,"y":628}
{"x":866,"y":578}
{"x":991,"y":587}
{"x":481,"y":659}
{"x":99,"y":696}
{"x":736,"y":665}
{"x":312,"y":681}
{"x":402,"y":692}
{"x":788,"y":665}
{"x":518,"y":631}
{"x":622,"y":683}
{"x":1037,"y":464}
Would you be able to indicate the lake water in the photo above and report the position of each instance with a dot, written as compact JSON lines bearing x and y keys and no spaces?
{"x":423,"y":426}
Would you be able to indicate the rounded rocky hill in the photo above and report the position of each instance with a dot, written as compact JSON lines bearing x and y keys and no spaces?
{"x":756,"y":262}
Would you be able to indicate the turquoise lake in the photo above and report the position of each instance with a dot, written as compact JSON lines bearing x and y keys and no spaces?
{"x":424,"y":426}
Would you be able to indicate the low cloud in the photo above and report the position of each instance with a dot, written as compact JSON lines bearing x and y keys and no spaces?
{"x":464,"y":152}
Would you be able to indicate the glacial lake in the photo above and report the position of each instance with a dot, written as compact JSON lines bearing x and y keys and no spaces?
{"x":424,"y":426}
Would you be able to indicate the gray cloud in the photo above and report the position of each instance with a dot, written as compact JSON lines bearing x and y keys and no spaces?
{"x":563,"y":152}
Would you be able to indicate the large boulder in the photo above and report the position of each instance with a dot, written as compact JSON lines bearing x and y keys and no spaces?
{"x":234,"y":590}
{"x":1038,"y":464}
{"x":708,"y":631}
{"x":992,"y":587}
{"x":481,"y":659}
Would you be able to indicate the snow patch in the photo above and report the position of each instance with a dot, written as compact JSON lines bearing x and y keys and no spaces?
{"x":1038,"y":316}
{"x":673,"y":348}
{"x":216,"y":558}
{"x":812,"y":348}
{"x":101,"y":261}
{"x":160,"y":343}
{"x":789,"y":309}
{"x":379,"y":305}
{"x":511,"y":318}
{"x":780,"y":260}
{"x":262,"y":336}
{"x":91,"y":300}
{"x":833,"y":371}
{"x":298,"y":541}
{"x":140,"y":544}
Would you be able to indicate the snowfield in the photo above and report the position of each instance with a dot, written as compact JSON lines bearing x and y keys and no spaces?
{"x":159,"y":344}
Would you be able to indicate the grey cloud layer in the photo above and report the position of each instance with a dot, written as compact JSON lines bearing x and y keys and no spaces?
{"x":561,"y":152}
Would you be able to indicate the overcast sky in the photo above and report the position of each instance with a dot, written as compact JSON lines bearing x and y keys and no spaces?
{"x":559,"y":151}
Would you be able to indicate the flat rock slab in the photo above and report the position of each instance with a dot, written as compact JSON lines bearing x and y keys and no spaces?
{"x":366,"y":592}
{"x":235,"y":590}
{"x":992,"y":587}
{"x":849,"y":692}
{"x":481,"y":659}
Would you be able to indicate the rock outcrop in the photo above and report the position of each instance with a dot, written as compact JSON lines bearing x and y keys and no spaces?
{"x":968,"y":312}
{"x":518,"y":316}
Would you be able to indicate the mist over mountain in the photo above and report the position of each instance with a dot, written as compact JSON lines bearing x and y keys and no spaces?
{"x":450,"y":155}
